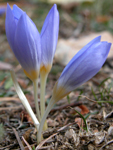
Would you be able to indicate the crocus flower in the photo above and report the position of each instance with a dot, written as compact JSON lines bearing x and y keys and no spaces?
{"x":24,"y":40}
{"x":49,"y":37}
{"x":82,"y":67}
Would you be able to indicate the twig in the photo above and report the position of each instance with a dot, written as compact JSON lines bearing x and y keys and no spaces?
{"x":97,"y":102}
{"x":67,"y":105}
{"x":72,"y":104}
{"x":106,"y":144}
{"x":44,"y":141}
{"x":11,"y":108}
{"x":26,"y":147}
{"x":8,"y":146}
{"x":88,"y":98}
{"x":18,"y":139}
{"x":9,"y":99}
{"x":97,"y":121}
{"x":45,"y":147}
{"x":29,"y":147}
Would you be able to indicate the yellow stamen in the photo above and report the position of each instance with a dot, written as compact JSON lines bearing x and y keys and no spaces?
{"x":45,"y":69}
{"x":33,"y":75}
{"x":59,"y":93}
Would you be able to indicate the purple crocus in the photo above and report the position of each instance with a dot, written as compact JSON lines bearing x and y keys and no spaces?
{"x":24,"y":40}
{"x":49,"y":37}
{"x":82,"y":67}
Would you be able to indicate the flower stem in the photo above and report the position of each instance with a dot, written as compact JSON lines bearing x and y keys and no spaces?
{"x":50,"y":105}
{"x":24,"y":100}
{"x":43,"y":77}
{"x":35,"y":88}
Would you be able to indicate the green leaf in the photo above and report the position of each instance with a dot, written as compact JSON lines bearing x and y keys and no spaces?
{"x":8,"y":84}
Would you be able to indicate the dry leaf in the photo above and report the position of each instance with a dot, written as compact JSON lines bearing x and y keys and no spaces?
{"x":27,"y":136}
{"x":99,"y":137}
{"x":102,"y":19}
{"x":25,"y":117}
{"x":79,"y":121}
{"x":52,"y":123}
{"x":84,"y":109}
{"x":2,"y":82}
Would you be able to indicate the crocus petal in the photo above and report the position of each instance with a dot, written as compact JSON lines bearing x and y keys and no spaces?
{"x":83,"y":66}
{"x":24,"y":40}
{"x":94,"y":41}
{"x":49,"y":36}
{"x":9,"y":25}
{"x":27,"y":44}
{"x":17,"y":12}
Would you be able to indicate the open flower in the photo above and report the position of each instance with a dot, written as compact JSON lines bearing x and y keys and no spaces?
{"x":82,"y":67}
{"x":49,"y":37}
{"x":24,"y":40}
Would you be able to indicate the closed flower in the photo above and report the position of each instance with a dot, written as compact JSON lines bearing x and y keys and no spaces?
{"x":24,"y":40}
{"x":82,"y":67}
{"x":49,"y":37}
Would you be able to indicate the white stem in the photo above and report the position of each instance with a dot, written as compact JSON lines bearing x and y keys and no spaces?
{"x":35,"y":88}
{"x":24,"y":100}
{"x":43,"y":78}
{"x":50,"y":105}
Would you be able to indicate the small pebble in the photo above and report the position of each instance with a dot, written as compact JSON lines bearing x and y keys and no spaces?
{"x":110,"y":131}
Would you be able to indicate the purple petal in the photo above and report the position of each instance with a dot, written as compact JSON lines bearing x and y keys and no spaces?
{"x":27,"y":44}
{"x":10,"y":26}
{"x":17,"y":12}
{"x":47,"y":18}
{"x":81,"y":69}
{"x":49,"y":36}
{"x":82,"y":51}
